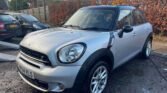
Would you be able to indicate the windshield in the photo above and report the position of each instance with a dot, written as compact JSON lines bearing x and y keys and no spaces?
{"x":92,"y":19}
{"x":29,"y":18}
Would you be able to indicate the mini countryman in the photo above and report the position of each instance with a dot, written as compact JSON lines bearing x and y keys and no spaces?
{"x":79,"y":56}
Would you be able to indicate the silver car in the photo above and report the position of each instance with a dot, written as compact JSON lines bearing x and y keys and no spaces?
{"x":79,"y":56}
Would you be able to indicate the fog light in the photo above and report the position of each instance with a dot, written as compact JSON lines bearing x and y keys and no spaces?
{"x":58,"y":87}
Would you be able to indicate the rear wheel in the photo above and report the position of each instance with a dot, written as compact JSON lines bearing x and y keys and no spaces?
{"x":146,"y":52}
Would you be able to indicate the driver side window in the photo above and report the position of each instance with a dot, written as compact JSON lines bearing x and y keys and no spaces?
{"x":125,"y":18}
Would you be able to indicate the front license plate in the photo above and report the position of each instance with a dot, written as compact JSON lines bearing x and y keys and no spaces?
{"x":26,"y":72}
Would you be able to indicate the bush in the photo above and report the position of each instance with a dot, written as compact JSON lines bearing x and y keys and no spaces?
{"x":155,"y":11}
{"x":61,"y":11}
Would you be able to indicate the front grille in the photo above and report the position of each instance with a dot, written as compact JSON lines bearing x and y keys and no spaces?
{"x":36,"y":82}
{"x":29,"y":63}
{"x":36,"y":55}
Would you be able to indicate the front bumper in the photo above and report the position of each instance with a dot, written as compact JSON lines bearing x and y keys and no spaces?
{"x":49,"y":78}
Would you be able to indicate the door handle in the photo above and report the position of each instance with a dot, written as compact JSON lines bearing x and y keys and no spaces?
{"x":134,"y":34}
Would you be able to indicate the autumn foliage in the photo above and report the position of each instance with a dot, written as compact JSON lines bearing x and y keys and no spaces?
{"x":61,"y":11}
{"x":156,"y":13}
{"x":155,"y":10}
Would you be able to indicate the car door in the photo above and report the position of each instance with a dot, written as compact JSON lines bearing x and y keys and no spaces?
{"x":141,"y":29}
{"x":123,"y":47}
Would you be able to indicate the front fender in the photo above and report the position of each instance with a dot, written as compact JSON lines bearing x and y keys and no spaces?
{"x":89,"y":63}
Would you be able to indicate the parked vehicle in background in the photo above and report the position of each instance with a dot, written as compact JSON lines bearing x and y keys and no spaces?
{"x":28,"y":23}
{"x":9,"y":27}
{"x":80,"y":55}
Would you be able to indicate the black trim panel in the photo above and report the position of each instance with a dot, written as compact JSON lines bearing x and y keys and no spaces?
{"x":88,"y":64}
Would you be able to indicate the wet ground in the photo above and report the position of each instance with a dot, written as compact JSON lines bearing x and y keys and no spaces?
{"x":140,"y":76}
{"x":136,"y":76}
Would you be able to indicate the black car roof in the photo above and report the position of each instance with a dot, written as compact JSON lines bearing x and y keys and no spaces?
{"x":126,"y":7}
{"x":120,"y":7}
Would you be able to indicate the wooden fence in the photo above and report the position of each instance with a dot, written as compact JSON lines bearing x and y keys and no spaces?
{"x":38,"y":12}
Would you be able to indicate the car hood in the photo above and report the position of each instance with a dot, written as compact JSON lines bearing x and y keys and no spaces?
{"x":49,"y":40}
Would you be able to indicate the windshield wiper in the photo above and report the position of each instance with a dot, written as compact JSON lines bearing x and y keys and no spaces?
{"x":94,"y":28}
{"x":65,"y":26}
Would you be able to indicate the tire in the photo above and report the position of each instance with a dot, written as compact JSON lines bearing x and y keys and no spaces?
{"x":146,"y":52}
{"x":94,"y":80}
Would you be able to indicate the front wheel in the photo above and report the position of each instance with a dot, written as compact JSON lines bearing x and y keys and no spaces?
{"x":97,"y":78}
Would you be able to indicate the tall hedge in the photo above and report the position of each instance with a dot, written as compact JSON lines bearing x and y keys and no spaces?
{"x":155,"y":10}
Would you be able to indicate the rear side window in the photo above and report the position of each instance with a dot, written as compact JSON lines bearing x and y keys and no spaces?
{"x":138,"y":18}
{"x":125,"y":18}
{"x":6,"y":18}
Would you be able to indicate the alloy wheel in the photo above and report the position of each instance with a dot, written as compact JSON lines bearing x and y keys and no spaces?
{"x":148,"y":49}
{"x":99,"y":80}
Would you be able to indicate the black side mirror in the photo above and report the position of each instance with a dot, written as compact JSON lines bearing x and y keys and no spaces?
{"x":126,"y":29}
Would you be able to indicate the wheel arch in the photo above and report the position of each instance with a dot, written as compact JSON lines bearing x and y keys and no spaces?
{"x":150,"y":36}
{"x":102,"y":54}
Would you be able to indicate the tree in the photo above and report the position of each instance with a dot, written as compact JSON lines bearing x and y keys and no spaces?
{"x":18,"y":4}
{"x":118,"y":2}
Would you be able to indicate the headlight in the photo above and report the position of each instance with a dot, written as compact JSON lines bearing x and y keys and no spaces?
{"x":71,"y":53}
{"x":36,"y":26}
